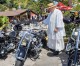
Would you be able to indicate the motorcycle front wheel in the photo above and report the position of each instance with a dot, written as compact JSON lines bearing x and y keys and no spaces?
{"x":19,"y":63}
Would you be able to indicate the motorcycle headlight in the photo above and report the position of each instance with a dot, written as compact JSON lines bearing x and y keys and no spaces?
{"x":34,"y":39}
{"x":2,"y":52}
{"x":76,"y":33}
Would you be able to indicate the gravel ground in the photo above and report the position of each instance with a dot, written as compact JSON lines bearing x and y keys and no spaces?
{"x":46,"y":59}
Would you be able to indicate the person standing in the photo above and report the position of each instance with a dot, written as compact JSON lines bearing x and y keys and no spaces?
{"x":56,"y":29}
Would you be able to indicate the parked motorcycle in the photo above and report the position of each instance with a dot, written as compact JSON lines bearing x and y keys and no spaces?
{"x":6,"y":44}
{"x":74,"y":16}
{"x":73,"y":45}
{"x":29,"y":45}
{"x":8,"y":41}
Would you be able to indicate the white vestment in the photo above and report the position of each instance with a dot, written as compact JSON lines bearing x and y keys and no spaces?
{"x":55,"y":20}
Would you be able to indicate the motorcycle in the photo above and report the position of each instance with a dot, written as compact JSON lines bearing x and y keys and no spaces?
{"x":73,"y":17}
{"x":29,"y":45}
{"x":8,"y":42}
{"x":73,"y":45}
{"x":73,"y":48}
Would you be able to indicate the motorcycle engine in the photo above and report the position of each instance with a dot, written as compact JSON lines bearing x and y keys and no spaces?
{"x":35,"y":48}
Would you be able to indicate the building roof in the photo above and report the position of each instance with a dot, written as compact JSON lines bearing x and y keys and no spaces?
{"x":13,"y":13}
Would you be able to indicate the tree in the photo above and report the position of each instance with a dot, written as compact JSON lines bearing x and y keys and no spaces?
{"x":70,"y":3}
{"x":22,"y":3}
{"x":38,"y":6}
{"x":3,"y":20}
{"x":63,"y":0}
{"x":9,"y":3}
{"x":3,"y":7}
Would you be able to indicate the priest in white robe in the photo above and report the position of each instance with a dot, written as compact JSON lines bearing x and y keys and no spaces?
{"x":56,"y":29}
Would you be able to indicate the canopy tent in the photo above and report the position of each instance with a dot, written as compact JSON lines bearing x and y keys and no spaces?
{"x":13,"y":12}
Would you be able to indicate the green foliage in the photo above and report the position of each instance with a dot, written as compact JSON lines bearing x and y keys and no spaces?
{"x":34,"y":6}
{"x":66,"y":13}
{"x":79,"y":0}
{"x":3,"y":20}
{"x":68,"y":28}
{"x":65,"y":2}
{"x":22,"y":3}
{"x":38,"y":6}
{"x":9,"y":3}
{"x":77,"y":8}
{"x":2,"y":7}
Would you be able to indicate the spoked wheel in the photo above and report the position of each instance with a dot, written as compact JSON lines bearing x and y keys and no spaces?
{"x":33,"y":58}
{"x":34,"y":55}
{"x":19,"y":63}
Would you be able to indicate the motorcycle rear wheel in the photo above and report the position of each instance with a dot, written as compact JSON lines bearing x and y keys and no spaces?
{"x":19,"y":63}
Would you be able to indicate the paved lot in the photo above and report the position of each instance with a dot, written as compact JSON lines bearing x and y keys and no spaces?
{"x":46,"y":59}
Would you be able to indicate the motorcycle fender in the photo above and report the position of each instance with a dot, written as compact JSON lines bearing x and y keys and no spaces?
{"x":22,"y":52}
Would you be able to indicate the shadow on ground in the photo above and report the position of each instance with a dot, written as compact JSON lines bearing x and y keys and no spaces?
{"x":63,"y":57}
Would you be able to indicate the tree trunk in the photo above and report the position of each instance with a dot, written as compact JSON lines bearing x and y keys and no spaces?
{"x":62,"y":0}
{"x":70,"y":3}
